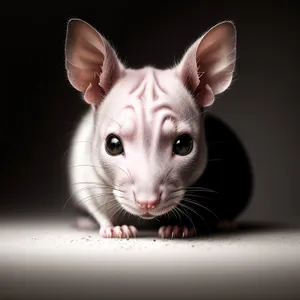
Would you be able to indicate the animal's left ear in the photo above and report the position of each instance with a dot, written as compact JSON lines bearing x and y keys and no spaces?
{"x":208,"y":65}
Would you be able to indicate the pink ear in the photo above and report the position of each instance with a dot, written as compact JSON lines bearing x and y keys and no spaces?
{"x":91,"y":63}
{"x":207,"y":66}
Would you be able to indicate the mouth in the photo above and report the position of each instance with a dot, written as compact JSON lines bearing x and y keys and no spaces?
{"x":147,"y":216}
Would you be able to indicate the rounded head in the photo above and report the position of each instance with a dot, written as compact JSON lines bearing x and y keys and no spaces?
{"x":148,"y":122}
{"x":150,"y":141}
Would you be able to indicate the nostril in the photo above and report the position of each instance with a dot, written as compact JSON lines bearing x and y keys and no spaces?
{"x":152,"y":204}
{"x":149,"y":204}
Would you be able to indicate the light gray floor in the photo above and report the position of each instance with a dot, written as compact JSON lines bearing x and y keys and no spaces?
{"x":50,"y":258}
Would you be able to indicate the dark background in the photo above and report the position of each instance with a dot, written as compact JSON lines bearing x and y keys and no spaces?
{"x":39,"y":108}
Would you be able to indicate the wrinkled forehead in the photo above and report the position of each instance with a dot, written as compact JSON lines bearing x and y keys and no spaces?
{"x":149,"y":96}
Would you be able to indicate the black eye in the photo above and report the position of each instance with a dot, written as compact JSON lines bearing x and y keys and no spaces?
{"x":183,"y":145}
{"x":114,"y":145}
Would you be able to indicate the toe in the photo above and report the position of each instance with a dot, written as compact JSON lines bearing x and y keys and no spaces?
{"x":117,"y":232}
{"x":133,"y":231}
{"x":168,"y":231}
{"x":175,"y":232}
{"x":125,"y":231}
{"x":105,"y":232}
{"x":161,"y":231}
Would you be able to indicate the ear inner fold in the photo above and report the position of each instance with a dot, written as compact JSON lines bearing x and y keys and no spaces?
{"x":208,"y":65}
{"x":91,"y":63}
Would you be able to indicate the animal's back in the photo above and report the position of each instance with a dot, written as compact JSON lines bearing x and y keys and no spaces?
{"x":80,"y":170}
{"x":228,"y":175}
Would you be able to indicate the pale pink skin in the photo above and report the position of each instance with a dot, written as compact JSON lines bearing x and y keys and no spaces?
{"x":147,"y":108}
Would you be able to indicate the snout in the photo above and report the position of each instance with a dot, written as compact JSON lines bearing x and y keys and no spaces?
{"x":148,"y":204}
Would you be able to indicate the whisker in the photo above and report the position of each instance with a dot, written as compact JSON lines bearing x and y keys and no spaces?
{"x":187,"y":207}
{"x":94,"y":196}
{"x":200,"y":205}
{"x":106,"y":203}
{"x":111,"y":207}
{"x":103,"y":186}
{"x":64,"y":155}
{"x":176,"y":214}
{"x":100,"y":185}
{"x":200,"y":189}
{"x":168,"y":215}
{"x":156,"y":219}
{"x":77,"y":191}
{"x":118,"y":210}
{"x":192,"y":210}
{"x":124,"y":213}
{"x":86,"y":198}
{"x":194,"y":188}
{"x":121,"y":211}
{"x":89,"y":188}
{"x":180,"y":210}
{"x":130,"y":178}
{"x":92,"y":182}
{"x":198,"y":196}
{"x":170,"y":199}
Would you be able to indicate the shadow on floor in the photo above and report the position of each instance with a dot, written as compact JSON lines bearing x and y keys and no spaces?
{"x":243,"y":227}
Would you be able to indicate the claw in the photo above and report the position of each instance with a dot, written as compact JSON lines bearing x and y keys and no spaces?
{"x":174,"y":232}
{"x":118,"y":232}
{"x":185,"y":232}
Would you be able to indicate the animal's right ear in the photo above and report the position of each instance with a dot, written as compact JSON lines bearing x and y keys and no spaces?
{"x":92,"y":64}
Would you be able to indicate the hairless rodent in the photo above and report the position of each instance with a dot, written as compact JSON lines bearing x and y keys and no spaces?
{"x":147,"y":152}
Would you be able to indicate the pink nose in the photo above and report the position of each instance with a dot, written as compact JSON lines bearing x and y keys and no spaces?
{"x":148,"y":204}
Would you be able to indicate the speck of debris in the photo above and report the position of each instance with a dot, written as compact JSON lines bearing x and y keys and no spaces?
{"x":154,"y":240}
{"x":193,"y":245}
{"x":72,"y":241}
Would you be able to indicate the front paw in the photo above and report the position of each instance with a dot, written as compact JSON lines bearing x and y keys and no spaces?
{"x":118,"y":232}
{"x":167,"y":232}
